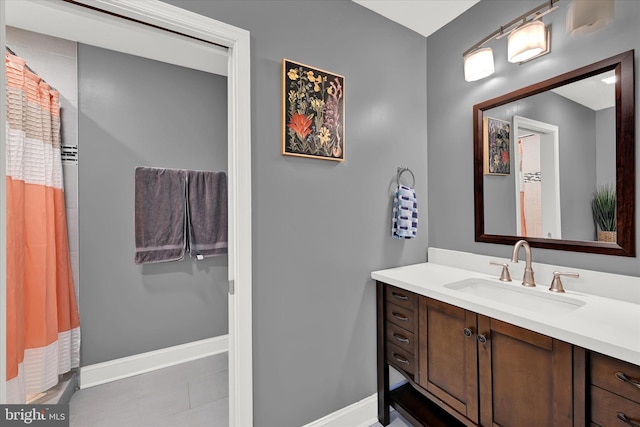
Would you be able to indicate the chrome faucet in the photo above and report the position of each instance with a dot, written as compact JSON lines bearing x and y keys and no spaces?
{"x":527,"y":279}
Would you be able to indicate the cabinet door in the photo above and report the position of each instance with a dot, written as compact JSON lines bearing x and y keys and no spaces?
{"x":525,"y":377}
{"x":448,"y":356}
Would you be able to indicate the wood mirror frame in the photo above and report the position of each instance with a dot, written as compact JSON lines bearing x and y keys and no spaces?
{"x":623,"y":64}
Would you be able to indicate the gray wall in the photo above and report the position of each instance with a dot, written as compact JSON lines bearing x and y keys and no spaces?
{"x":139,"y":112}
{"x":577,"y":152}
{"x":321,"y":227}
{"x":606,"y":146}
{"x":450,"y":100}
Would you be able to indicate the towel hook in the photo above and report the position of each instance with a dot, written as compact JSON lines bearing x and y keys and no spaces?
{"x":403,"y":170}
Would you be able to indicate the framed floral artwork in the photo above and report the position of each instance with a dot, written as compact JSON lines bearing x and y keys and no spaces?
{"x":497,"y":153}
{"x":312,"y":112}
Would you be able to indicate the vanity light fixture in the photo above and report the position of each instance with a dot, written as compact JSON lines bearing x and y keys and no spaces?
{"x":586,"y":16}
{"x":478,"y":64}
{"x":528,"y":41}
{"x":528,"y":38}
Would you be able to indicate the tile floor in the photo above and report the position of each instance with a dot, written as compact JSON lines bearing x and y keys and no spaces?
{"x":191,"y":394}
{"x":396,"y":421}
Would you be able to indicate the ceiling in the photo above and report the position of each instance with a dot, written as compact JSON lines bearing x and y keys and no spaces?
{"x":591,"y":92}
{"x":428,"y":16}
{"x":422,"y":16}
{"x":70,"y":22}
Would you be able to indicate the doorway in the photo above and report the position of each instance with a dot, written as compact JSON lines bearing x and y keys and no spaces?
{"x":537,"y":181}
{"x":239,"y":162}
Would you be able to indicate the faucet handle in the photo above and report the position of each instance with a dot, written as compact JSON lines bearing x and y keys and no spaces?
{"x":556,"y":283}
{"x":504,"y":276}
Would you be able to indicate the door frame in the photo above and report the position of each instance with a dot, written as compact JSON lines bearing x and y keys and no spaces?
{"x":549,"y":136}
{"x":237,"y":41}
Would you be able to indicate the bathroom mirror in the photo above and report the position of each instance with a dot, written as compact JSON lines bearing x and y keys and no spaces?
{"x":541,"y":152}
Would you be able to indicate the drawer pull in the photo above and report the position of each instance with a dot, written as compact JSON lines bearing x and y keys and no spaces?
{"x":467,"y":332}
{"x":400,"y":317}
{"x":622,"y":377}
{"x":402,"y":359}
{"x":400,"y":296}
{"x":401,"y":338}
{"x":482,"y":339}
{"x":622,"y":417}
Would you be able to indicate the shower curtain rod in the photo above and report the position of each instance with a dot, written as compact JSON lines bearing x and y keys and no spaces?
{"x":12,"y":52}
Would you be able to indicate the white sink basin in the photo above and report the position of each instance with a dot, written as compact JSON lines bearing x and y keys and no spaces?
{"x":515,"y":295}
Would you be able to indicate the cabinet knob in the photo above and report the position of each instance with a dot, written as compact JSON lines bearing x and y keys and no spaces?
{"x":467,"y":332}
{"x":482,"y":339}
{"x":622,"y":377}
{"x":623,"y":417}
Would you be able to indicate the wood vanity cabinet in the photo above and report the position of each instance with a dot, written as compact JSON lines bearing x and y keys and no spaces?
{"x":448,"y":355}
{"x":614,"y":388}
{"x":398,"y":346}
{"x":473,"y":370}
{"x":401,"y":326}
{"x":525,"y":378}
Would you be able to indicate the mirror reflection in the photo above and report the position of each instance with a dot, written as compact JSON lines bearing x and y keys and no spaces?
{"x":554,"y":162}
{"x":563,"y":145}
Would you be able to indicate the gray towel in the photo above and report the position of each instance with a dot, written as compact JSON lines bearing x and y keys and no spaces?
{"x":160,"y":215}
{"x":207,"y":213}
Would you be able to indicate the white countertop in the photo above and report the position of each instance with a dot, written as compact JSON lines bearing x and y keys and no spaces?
{"x":605,"y":325}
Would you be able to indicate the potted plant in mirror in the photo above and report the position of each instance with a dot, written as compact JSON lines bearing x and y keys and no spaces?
{"x":603,"y":206}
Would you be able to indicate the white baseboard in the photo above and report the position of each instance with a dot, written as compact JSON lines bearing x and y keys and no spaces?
{"x":360,"y":414}
{"x":101,"y":373}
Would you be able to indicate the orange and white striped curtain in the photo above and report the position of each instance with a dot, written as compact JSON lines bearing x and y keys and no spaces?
{"x":43,"y":327}
{"x":530,"y":186}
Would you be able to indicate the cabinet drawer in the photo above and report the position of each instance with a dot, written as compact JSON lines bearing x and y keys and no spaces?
{"x":401,"y":297}
{"x":401,"y":358}
{"x":608,"y":409}
{"x":402,"y":317}
{"x":400,"y":337}
{"x":616,"y":376}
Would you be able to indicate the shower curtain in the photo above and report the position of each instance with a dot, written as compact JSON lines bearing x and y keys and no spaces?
{"x":530,"y":186}
{"x":43,"y":327}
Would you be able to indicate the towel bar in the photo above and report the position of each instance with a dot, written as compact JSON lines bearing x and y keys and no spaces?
{"x":403,"y":170}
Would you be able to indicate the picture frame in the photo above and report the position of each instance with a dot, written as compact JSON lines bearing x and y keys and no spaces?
{"x":497,"y":146}
{"x":312,"y":112}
